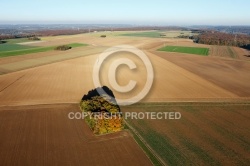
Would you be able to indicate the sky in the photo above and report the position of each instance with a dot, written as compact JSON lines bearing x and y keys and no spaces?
{"x":146,"y":12}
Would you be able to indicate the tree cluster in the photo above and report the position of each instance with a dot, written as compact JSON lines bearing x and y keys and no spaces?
{"x":219,"y":38}
{"x":3,"y":37}
{"x":57,"y":32}
{"x":34,"y":38}
{"x":2,"y":41}
{"x":104,"y":114}
{"x":63,"y":48}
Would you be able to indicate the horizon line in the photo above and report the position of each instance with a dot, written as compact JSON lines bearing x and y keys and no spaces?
{"x":127,"y":24}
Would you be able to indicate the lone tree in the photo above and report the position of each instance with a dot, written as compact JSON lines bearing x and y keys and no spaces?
{"x":34,"y":38}
{"x":63,"y":48}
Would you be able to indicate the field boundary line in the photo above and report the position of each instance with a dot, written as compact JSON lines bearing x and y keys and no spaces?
{"x":38,"y":104}
{"x":245,"y":101}
{"x":146,"y":144}
{"x":12,"y":83}
{"x":150,"y":104}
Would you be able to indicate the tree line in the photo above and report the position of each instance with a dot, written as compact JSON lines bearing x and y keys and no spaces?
{"x":219,"y":38}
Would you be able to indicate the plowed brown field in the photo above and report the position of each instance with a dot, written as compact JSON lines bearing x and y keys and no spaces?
{"x":231,"y":75}
{"x":67,"y":81}
{"x":44,"y":135}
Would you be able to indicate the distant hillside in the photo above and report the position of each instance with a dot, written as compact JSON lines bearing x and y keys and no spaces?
{"x":24,"y":31}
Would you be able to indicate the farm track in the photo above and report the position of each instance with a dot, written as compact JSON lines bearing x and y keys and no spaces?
{"x":206,"y":134}
{"x":145,"y":143}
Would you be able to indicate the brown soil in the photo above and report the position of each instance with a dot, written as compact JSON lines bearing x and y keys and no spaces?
{"x":44,"y":135}
{"x":232,"y":75}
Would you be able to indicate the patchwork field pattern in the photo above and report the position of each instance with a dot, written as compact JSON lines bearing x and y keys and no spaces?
{"x":38,"y":90}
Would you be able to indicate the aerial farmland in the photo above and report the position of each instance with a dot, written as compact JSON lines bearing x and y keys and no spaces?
{"x":181,"y":89}
{"x":47,"y":84}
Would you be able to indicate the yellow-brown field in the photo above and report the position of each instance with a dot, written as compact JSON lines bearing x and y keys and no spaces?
{"x":67,"y":80}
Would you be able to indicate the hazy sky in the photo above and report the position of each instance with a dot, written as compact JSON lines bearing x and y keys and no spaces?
{"x":155,"y":12}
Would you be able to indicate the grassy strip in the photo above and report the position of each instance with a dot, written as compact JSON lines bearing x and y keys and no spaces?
{"x":74,"y":45}
{"x":11,"y":44}
{"x":153,"y":159}
{"x":35,"y":50}
{"x":14,"y":47}
{"x":18,"y":40}
{"x":25,"y":51}
{"x":189,"y":50}
{"x":232,"y":54}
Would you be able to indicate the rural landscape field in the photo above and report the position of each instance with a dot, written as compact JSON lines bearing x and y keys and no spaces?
{"x":200,"y":73}
{"x":49,"y":82}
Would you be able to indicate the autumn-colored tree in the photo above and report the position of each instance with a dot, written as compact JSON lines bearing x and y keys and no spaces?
{"x":104,"y":114}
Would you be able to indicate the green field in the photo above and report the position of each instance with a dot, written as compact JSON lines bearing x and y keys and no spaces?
{"x":188,"y":50}
{"x":206,"y":134}
{"x":12,"y":47}
{"x":150,"y":155}
{"x":152,"y":34}
{"x":28,"y":50}
{"x":18,"y":40}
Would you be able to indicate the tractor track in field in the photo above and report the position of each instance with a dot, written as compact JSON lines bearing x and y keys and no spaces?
{"x":146,"y":144}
